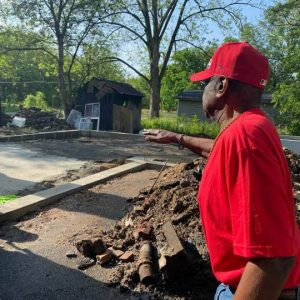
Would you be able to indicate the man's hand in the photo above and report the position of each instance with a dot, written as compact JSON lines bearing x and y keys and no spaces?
{"x":200,"y":146}
{"x":161,"y":136}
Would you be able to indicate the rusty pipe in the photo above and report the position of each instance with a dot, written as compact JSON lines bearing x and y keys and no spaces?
{"x":145,"y":264}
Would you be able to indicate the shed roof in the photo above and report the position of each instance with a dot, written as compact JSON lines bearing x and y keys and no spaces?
{"x":196,"y":95}
{"x":110,"y":86}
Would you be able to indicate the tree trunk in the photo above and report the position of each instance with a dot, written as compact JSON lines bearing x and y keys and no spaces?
{"x":155,"y":82}
{"x":61,"y":77}
{"x":155,"y":96}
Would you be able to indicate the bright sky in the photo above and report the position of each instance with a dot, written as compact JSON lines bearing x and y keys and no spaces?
{"x":252,"y":15}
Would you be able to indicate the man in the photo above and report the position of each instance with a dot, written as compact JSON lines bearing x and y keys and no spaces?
{"x":245,"y":195}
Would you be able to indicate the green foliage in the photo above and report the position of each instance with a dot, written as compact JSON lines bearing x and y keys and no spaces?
{"x":190,"y":126}
{"x":287,"y":100}
{"x":37,"y":100}
{"x":184,"y":63}
{"x":142,"y":86}
{"x":6,"y":198}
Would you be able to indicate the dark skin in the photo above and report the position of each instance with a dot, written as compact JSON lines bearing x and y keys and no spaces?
{"x":223,"y":101}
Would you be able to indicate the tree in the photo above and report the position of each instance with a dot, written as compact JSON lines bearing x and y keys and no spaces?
{"x":159,"y":26}
{"x":66,"y":23}
{"x":184,"y":63}
{"x":283,"y":31}
{"x":22,"y":72}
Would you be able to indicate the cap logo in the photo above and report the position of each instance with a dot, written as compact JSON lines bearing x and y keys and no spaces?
{"x":263,"y":82}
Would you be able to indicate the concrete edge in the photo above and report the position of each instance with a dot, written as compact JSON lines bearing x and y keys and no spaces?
{"x":290,"y":137}
{"x":69,"y":134}
{"x":151,"y":163}
{"x":13,"y":210}
{"x":42,"y":135}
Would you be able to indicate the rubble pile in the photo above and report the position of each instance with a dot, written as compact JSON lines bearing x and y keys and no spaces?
{"x":4,"y":119}
{"x":37,"y":119}
{"x":294,"y":163}
{"x":158,"y":247}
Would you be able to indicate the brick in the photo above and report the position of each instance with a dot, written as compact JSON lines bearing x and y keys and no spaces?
{"x":116,"y":252}
{"x":143,"y":231}
{"x":105,"y":257}
{"x":127,"y":256}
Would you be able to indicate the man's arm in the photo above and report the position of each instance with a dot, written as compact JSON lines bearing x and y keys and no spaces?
{"x":200,"y":146}
{"x":264,"y":278}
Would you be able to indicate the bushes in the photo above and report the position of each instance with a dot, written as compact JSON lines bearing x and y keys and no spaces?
{"x":37,"y":100}
{"x":190,"y":126}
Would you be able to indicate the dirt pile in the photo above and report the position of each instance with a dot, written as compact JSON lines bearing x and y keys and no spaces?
{"x":163,"y":237}
{"x":294,"y":163}
{"x":38,"y":119}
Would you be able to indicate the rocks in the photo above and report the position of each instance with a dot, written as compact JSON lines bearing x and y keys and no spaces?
{"x":71,"y":254}
{"x":117,"y":253}
{"x":86,"y":263}
{"x":90,"y":248}
{"x":104,"y":257}
{"x":143,"y":231}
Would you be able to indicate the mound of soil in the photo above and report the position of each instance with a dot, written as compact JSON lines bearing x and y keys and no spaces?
{"x":172,"y":199}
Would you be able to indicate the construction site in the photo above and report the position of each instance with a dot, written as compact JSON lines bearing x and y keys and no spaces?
{"x":103,"y":215}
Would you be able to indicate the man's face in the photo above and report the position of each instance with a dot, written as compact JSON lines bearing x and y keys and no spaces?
{"x":209,"y":99}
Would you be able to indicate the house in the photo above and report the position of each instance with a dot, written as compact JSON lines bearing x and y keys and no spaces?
{"x":190,"y":104}
{"x":114,"y":105}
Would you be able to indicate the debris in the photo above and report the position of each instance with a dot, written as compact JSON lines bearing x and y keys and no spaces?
{"x":127,"y":256}
{"x":18,"y":122}
{"x":86,"y":263}
{"x":143,"y":231}
{"x":90,"y":248}
{"x":167,"y":218}
{"x":85,"y":248}
{"x":145,"y":264}
{"x":104,"y":257}
{"x":116,"y":252}
{"x":71,"y":254}
{"x":97,"y":246}
{"x":38,"y":119}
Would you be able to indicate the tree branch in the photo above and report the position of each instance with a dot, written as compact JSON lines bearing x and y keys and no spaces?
{"x":6,"y":50}
{"x":114,"y":58}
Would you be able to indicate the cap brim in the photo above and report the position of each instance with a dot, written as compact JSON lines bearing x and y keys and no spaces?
{"x":200,"y":76}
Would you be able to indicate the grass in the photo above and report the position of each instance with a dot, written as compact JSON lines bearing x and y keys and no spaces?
{"x":189,"y":126}
{"x":6,"y":198}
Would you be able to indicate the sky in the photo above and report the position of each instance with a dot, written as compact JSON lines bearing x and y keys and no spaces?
{"x":251,"y":15}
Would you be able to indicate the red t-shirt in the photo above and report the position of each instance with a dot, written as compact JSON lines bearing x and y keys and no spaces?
{"x":246,"y":199}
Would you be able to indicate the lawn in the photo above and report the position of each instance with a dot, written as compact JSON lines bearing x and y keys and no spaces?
{"x":187,"y":125}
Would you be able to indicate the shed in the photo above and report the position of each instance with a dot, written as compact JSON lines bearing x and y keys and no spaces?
{"x":120,"y":104}
{"x":190,"y":104}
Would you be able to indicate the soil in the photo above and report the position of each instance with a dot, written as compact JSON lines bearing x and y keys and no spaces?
{"x":89,"y":168}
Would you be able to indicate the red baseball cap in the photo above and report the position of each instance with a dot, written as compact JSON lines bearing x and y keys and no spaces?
{"x":239,"y":61}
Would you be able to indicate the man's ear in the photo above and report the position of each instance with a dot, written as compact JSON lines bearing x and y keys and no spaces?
{"x":222,"y":86}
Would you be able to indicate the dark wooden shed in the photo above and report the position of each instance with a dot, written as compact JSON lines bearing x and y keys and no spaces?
{"x":120,"y":104}
{"x":190,"y":104}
